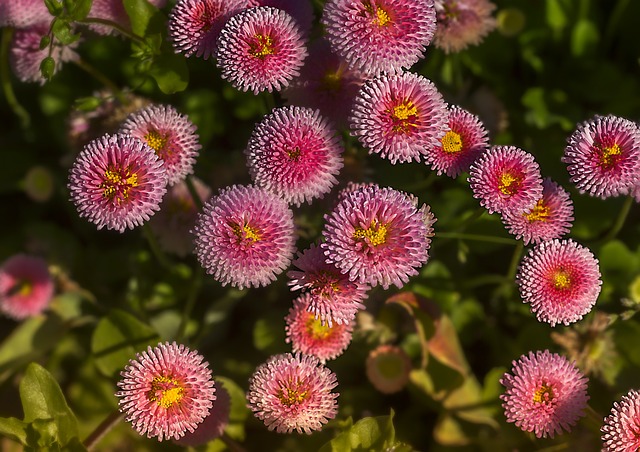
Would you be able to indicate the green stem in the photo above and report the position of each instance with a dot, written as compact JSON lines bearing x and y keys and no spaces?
{"x":619,"y":223}
{"x":515,"y":260}
{"x":155,"y":248}
{"x":191,"y":302}
{"x":231,"y":444}
{"x":193,"y":192}
{"x":129,"y":34}
{"x":89,"y":69}
{"x":102,"y":429}
{"x":476,"y":237}
{"x":594,"y":420}
{"x":470,"y":219}
{"x":5,"y":78}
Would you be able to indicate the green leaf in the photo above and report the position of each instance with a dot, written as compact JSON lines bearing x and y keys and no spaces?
{"x":370,"y":433}
{"x":117,"y":338}
{"x":142,"y":15}
{"x":170,"y":72}
{"x":44,"y":42}
{"x":79,"y":9}
{"x":584,"y":37}
{"x":14,"y":429}
{"x":48,"y":67}
{"x":54,"y":6}
{"x":63,"y":32}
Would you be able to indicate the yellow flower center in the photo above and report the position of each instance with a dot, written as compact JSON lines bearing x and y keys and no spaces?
{"x":261,"y":46}
{"x":165,"y":391}
{"x":118,"y":183}
{"x":22,"y":288}
{"x":292,"y":394}
{"x":156,"y":140}
{"x":561,"y":279}
{"x":376,"y":234}
{"x":609,"y":155}
{"x":294,"y":154}
{"x":543,"y":394}
{"x":324,"y":282}
{"x":331,"y":80}
{"x":315,"y":329}
{"x":382,"y":18}
{"x":540,"y":212}
{"x":451,"y":142}
{"x":509,"y":183}
{"x":246,"y":232}
{"x":403,"y":116}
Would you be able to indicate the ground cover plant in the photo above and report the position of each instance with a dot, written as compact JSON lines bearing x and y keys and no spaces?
{"x":319,"y":225}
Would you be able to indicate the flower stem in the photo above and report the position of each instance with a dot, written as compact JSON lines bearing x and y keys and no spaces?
{"x":191,"y":302}
{"x":193,"y":192}
{"x":115,"y":26}
{"x":594,"y":420}
{"x":231,"y":444}
{"x":476,"y":237}
{"x":102,"y":429}
{"x":619,"y":223}
{"x":155,"y":248}
{"x":5,"y":78}
{"x":89,"y":69}
{"x":515,"y":260}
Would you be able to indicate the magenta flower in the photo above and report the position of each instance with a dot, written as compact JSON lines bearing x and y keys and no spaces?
{"x":400,"y":117}
{"x":621,"y":429}
{"x":26,"y":286}
{"x":333,"y":298}
{"x":461,"y":23}
{"x":245,"y":236}
{"x":603,"y":156}
{"x":294,"y":153}
{"x":195,"y":25}
{"x":171,"y":135}
{"x":309,"y":335}
{"x":166,"y":391}
{"x":114,"y":11}
{"x":213,"y":425}
{"x":261,"y":49}
{"x":25,"y":55}
{"x":550,"y":218}
{"x":464,"y":140}
{"x":546,"y":394}
{"x":377,"y":36}
{"x":293,"y":392}
{"x":117,"y":181}
{"x":561,"y":281}
{"x":378,"y":236}
{"x":300,"y":10}
{"x":388,"y":368}
{"x":506,"y":178}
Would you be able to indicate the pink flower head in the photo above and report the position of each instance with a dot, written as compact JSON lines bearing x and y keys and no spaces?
{"x":309,"y":335}
{"x":377,"y":36}
{"x":550,"y":218}
{"x":171,"y":135}
{"x":261,"y":49}
{"x":546,"y":394}
{"x":117,"y":181}
{"x":23,"y":13}
{"x":166,"y":391}
{"x":464,"y":140}
{"x":461,"y":23}
{"x":293,"y":392}
{"x":295,"y":153}
{"x":213,"y":425}
{"x":300,"y":10}
{"x":178,"y":213}
{"x":561,"y":281}
{"x":245,"y":236}
{"x":333,"y":298}
{"x":603,"y":156}
{"x":26,"y":286}
{"x":25,"y":55}
{"x":388,"y":368}
{"x":621,"y":429}
{"x":399,"y":116}
{"x":325,"y":83}
{"x":378,"y":236}
{"x":113,"y":11}
{"x":195,"y":25}
{"x":506,"y":178}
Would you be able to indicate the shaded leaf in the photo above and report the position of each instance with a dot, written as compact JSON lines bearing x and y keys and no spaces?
{"x":170,"y":72}
{"x":14,"y":429}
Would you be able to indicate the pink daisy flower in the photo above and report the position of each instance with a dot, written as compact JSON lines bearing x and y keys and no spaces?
{"x":213,"y":425}
{"x":117,"y":181}
{"x":166,"y":391}
{"x":178,"y":213}
{"x":171,"y":135}
{"x":195,"y":25}
{"x":545,"y":395}
{"x":245,"y":236}
{"x":378,"y":236}
{"x":113,"y":11}
{"x":461,"y":23}
{"x":333,"y":297}
{"x":550,"y":218}
{"x":295,"y":153}
{"x":23,"y":13}
{"x":377,"y":36}
{"x":388,"y":368}
{"x":621,"y":429}
{"x":561,"y":281}
{"x":300,"y":10}
{"x":603,"y":156}
{"x":26,"y":286}
{"x":261,"y":49}
{"x":400,"y":117}
{"x":506,"y":178}
{"x":309,"y":335}
{"x":464,"y":140}
{"x":25,"y":55}
{"x":325,"y":83}
{"x":293,"y":392}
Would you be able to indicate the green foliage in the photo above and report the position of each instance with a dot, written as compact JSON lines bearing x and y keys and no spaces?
{"x":370,"y":433}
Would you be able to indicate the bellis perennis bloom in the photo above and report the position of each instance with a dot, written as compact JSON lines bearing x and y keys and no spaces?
{"x":461,"y":23}
{"x":621,"y":429}
{"x":26,"y":286}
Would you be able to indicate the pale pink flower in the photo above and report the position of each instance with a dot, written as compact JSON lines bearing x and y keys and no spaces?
{"x":461,"y":23}
{"x":213,"y":425}
{"x":26,"y":286}
{"x":621,"y":429}
{"x":24,"y":13}
{"x":113,"y":11}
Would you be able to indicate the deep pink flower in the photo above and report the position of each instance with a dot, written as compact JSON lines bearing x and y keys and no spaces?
{"x":114,"y":11}
{"x":261,"y":49}
{"x":300,"y":10}
{"x":24,"y":13}
{"x":621,"y":429}
{"x":603,"y":156}
{"x":294,"y":153}
{"x":26,"y":286}
{"x":213,"y":425}
{"x":293,"y":392}
{"x":545,"y":395}
{"x":464,"y":140}
{"x":400,"y":117}
{"x":333,"y":298}
{"x":506,"y":178}
{"x":171,"y":135}
{"x":377,"y":36}
{"x":245,"y":236}
{"x":309,"y":335}
{"x":25,"y":55}
{"x":550,"y":218}
{"x":388,"y":368}
{"x":166,"y":391}
{"x":461,"y":23}
{"x":378,"y":236}
{"x":195,"y":25}
{"x":561,"y":281}
{"x":117,"y":181}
